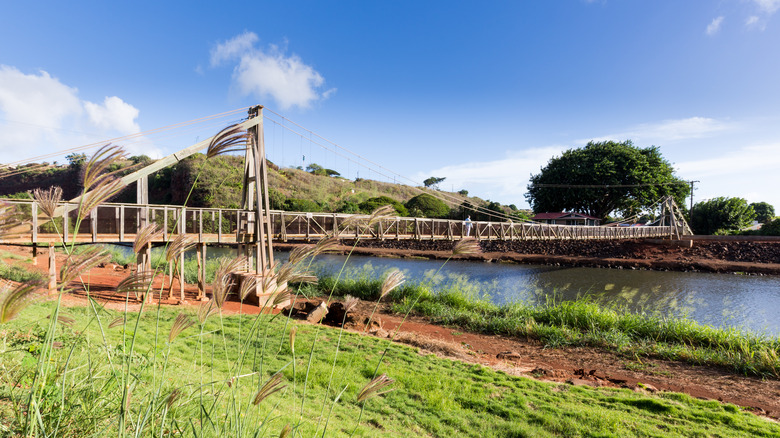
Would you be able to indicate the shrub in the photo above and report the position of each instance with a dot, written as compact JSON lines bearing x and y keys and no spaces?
{"x":294,"y":204}
{"x":721,"y":215}
{"x":372,"y":204}
{"x":771,"y":228}
{"x":428,"y":206}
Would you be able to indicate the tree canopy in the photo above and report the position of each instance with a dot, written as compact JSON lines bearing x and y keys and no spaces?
{"x":721,"y":215}
{"x":426,"y":205}
{"x":316,"y":169}
{"x":604,"y":177}
{"x":765,"y":212}
{"x":433,"y":182}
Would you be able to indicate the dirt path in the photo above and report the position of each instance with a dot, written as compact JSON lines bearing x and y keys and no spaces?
{"x":517,"y":356}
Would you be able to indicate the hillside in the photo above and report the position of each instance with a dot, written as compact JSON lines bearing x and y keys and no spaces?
{"x":217,"y":183}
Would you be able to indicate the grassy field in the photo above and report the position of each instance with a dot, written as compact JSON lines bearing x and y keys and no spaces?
{"x":203,"y":383}
{"x":580,"y":323}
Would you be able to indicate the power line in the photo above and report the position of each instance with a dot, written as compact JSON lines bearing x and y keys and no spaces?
{"x":442,"y":196}
{"x":609,"y":186}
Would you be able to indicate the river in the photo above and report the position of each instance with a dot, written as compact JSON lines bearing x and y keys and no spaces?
{"x":746,"y":302}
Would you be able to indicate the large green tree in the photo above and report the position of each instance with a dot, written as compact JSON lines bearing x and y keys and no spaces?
{"x":765,"y":212}
{"x":721,"y":215}
{"x":604,"y":177}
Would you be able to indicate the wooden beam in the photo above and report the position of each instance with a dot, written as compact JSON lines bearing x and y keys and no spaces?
{"x":161,"y":163}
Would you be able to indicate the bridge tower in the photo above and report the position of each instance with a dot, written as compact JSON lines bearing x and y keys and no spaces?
{"x":672,"y":216}
{"x":254,"y":196}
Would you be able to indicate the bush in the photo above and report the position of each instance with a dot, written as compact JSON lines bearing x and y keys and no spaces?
{"x":721,"y":215}
{"x":771,"y":228}
{"x":428,"y":206}
{"x":294,"y":204}
{"x":372,"y":204}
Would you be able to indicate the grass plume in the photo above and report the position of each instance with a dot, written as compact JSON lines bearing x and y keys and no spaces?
{"x":15,"y":298}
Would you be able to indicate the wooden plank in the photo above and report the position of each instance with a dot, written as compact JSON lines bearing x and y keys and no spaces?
{"x":34,"y":222}
{"x":93,"y":223}
{"x":65,"y":225}
{"x":121,"y":223}
{"x":200,"y":225}
{"x":165,"y":223}
{"x":52,"y":269}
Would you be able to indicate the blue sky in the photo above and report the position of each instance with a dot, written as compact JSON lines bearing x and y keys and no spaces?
{"x":482,"y":93}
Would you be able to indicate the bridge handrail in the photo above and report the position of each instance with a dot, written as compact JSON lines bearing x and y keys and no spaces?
{"x":231,"y":222}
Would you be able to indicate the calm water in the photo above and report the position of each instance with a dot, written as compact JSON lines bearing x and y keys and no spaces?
{"x":720,"y":300}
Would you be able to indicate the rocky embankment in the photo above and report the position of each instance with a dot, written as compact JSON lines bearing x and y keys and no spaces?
{"x":756,"y":257}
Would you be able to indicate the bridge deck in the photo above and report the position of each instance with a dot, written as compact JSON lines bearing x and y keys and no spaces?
{"x":118,"y":223}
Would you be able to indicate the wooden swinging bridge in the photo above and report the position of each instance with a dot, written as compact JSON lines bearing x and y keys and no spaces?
{"x":254,"y":228}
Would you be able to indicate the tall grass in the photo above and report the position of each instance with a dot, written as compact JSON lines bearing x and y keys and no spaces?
{"x":580,"y":322}
{"x":131,"y":382}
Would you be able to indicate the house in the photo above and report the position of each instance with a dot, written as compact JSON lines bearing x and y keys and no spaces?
{"x":563,"y":218}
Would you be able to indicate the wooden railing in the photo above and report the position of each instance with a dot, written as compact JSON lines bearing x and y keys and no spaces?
{"x":117,"y":223}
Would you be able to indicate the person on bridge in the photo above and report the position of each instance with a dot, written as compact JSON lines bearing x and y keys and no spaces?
{"x":467,"y":224}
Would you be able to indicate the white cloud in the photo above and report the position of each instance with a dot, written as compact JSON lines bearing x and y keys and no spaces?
{"x":751,"y":21}
{"x":36,"y":99}
{"x":668,"y":131}
{"x":768,"y":7}
{"x":504,"y":180}
{"x":113,"y":114}
{"x":714,"y":26}
{"x":739,"y":161}
{"x":233,"y":48}
{"x":749,"y":172}
{"x":41,"y":115}
{"x":270,"y":73}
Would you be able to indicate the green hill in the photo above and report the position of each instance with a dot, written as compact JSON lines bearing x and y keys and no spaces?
{"x":216,"y":183}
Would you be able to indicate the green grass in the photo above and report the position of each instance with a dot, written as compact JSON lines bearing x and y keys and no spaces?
{"x":577,"y":323}
{"x":431,"y":397}
{"x":18,"y":273}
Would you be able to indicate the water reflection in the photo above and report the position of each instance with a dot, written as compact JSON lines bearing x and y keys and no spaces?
{"x":720,"y":300}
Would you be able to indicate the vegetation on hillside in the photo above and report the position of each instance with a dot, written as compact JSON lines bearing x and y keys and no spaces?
{"x":216,"y":183}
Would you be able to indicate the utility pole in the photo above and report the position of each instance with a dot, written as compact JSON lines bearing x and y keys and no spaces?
{"x":691,"y":182}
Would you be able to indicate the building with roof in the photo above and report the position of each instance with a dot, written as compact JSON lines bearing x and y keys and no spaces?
{"x":563,"y":218}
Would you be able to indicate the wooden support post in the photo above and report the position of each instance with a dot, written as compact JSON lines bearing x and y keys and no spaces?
{"x":201,"y":255}
{"x":170,"y":280}
{"x":35,"y":254}
{"x":165,"y":223}
{"x":200,"y":225}
{"x":52,"y":270}
{"x":116,"y":219}
{"x":183,"y":220}
{"x":65,"y":225}
{"x":181,"y":277}
{"x":219,"y":229}
{"x":93,"y":223}
{"x":34,"y":222}
{"x":121,"y":223}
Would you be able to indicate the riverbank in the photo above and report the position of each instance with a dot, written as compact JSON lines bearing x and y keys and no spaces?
{"x":723,"y":256}
{"x":514,"y":354}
